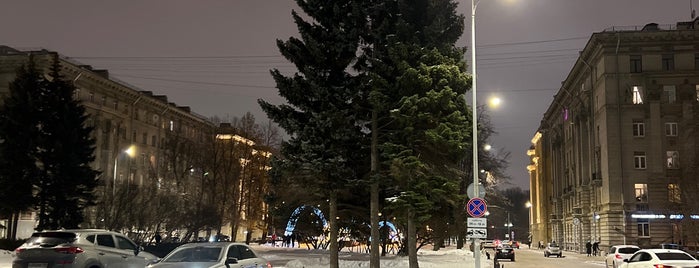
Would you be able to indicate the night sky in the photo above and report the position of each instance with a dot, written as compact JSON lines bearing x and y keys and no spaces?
{"x":215,"y":56}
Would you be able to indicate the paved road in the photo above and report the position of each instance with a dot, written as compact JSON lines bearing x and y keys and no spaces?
{"x":532,"y":258}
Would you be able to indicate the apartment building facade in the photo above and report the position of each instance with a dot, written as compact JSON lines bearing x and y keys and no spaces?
{"x":132,"y":128}
{"x":615,"y":157}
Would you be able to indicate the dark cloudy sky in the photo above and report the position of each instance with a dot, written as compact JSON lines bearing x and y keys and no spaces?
{"x":215,"y":56}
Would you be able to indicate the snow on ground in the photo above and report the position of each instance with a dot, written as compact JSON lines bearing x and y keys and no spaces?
{"x":444,"y":258}
{"x":427,"y":258}
{"x":5,"y":259}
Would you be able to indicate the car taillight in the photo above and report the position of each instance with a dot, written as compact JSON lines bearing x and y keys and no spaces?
{"x":617,"y":256}
{"x":18,"y":250}
{"x":662,"y":266}
{"x":269,"y":265}
{"x":69,"y":250}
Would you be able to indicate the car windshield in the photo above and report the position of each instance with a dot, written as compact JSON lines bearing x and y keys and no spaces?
{"x":195,"y":254}
{"x":627,"y":250}
{"x":674,"y":256}
{"x":553,"y":245}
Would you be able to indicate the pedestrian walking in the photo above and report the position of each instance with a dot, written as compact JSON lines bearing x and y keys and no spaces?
{"x":588,"y":248}
{"x":595,"y":248}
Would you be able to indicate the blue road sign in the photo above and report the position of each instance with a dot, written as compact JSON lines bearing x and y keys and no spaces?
{"x":476,"y":207}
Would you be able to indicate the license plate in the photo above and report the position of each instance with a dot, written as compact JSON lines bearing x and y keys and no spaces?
{"x":38,"y":265}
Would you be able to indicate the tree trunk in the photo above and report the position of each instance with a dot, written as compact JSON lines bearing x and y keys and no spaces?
{"x":374,"y":260}
{"x":334,"y":247}
{"x":412,"y":241}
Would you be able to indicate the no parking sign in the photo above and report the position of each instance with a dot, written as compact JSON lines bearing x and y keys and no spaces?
{"x":476,"y":207}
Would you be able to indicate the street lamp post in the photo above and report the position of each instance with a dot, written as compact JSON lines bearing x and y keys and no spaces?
{"x":474,"y":119}
{"x":509,"y":226}
{"x":130,"y":152}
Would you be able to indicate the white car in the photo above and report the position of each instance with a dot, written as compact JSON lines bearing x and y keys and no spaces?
{"x":618,"y":253}
{"x":79,"y":248}
{"x":553,"y":249}
{"x":212,"y":255}
{"x":650,"y":258}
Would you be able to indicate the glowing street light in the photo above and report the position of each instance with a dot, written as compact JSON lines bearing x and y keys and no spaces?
{"x":494,"y":102}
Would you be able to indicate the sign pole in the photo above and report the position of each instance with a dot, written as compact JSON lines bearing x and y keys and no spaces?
{"x":476,"y":207}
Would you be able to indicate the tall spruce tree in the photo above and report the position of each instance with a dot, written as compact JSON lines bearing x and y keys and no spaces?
{"x":19,"y":134}
{"x":65,"y":151}
{"x":326,"y":147}
{"x":418,"y":82}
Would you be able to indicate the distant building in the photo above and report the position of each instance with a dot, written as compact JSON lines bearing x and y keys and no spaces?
{"x":616,"y":157}
{"x":131,"y":128}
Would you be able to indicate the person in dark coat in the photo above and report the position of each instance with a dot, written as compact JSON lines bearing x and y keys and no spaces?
{"x":595,"y":248}
{"x":588,"y":248}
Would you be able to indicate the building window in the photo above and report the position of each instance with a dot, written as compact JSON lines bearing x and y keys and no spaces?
{"x":671,"y":129}
{"x":116,"y":105}
{"x":144,"y":138}
{"x":637,"y":95}
{"x":639,"y":128}
{"x":668,"y":62}
{"x":641,"y":192}
{"x":669,"y":94}
{"x":696,"y":61}
{"x":643,"y":227}
{"x":639,"y":160}
{"x":104,"y":101}
{"x":673,"y":159}
{"x":673,"y":193}
{"x":153,"y":140}
{"x":92,"y":97}
{"x":133,"y":137}
{"x":76,"y":94}
{"x":636,"y":64}
{"x":696,"y":89}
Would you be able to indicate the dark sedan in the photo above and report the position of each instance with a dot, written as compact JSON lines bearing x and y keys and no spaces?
{"x":505,"y":251}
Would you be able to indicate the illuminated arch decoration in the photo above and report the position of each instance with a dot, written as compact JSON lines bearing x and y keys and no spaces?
{"x":291,"y":225}
{"x":389,"y":224}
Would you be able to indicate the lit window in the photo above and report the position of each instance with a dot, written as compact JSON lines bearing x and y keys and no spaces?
{"x":696,"y":89}
{"x":643,"y":227}
{"x":673,"y":193}
{"x":641,"y":190}
{"x":669,"y":94}
{"x":639,"y":129}
{"x":637,"y":96}
{"x":671,"y":129}
{"x":639,"y":160}
{"x":673,"y":159}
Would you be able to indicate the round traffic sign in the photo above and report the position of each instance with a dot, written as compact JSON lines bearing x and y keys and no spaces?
{"x":476,"y":207}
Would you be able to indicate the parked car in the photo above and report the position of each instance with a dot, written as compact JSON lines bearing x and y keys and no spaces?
{"x":618,"y":253}
{"x":80,"y":248}
{"x":505,"y":251}
{"x":553,"y":249}
{"x":214,"y":255}
{"x":488,"y":243}
{"x":515,"y":244}
{"x":674,"y":258}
